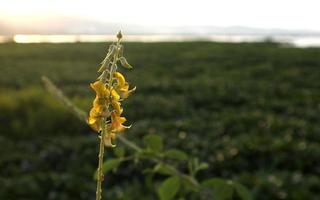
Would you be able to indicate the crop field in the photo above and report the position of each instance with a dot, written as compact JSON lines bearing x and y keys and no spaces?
{"x":250,"y":110}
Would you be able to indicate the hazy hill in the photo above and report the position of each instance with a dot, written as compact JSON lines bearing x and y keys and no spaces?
{"x":75,"y":25}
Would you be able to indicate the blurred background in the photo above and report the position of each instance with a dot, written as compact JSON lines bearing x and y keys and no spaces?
{"x":235,"y":83}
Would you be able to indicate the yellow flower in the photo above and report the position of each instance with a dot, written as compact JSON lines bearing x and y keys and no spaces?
{"x":108,"y":140}
{"x":99,"y":105}
{"x":122,"y":86}
{"x":117,"y":107}
{"x":115,"y":95}
{"x":114,"y":127}
{"x":120,"y":79}
{"x":100,"y":89}
{"x":94,"y":119}
{"x":117,"y":123}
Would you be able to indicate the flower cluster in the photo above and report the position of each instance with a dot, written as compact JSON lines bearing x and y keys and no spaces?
{"x":111,"y":89}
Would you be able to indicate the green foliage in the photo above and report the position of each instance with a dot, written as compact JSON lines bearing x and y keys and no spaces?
{"x":194,"y":166}
{"x":178,"y":182}
{"x":110,"y":164}
{"x":221,"y":189}
{"x":169,"y":188}
{"x":119,"y":152}
{"x":153,"y":142}
{"x":224,"y":190}
{"x":23,"y":115}
{"x":162,"y":169}
{"x":249,"y":110}
{"x":242,"y":192}
{"x":176,"y":154}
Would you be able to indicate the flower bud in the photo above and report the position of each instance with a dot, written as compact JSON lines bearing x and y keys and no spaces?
{"x":125,"y":63}
{"x":119,"y":35}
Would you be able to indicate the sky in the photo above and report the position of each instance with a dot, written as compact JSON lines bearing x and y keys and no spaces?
{"x":268,"y":14}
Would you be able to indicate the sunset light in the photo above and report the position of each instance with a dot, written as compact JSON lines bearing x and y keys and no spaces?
{"x":284,"y":14}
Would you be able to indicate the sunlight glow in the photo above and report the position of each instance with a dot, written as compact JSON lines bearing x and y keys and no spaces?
{"x":287,"y":14}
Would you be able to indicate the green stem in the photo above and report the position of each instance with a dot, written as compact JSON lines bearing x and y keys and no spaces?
{"x":101,"y":154}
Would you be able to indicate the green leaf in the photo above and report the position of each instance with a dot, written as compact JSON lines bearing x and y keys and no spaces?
{"x":243,"y":192}
{"x":188,"y":187}
{"x":203,"y":166}
{"x":221,"y":188}
{"x":169,"y":188}
{"x":119,"y":152}
{"x":108,"y":165}
{"x":153,"y":142}
{"x":162,"y":169}
{"x":213,"y":182}
{"x":176,"y":154}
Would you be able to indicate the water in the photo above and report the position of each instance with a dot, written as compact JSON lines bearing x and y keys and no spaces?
{"x":297,"y":41}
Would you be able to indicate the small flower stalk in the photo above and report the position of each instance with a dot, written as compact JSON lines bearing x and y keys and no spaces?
{"x":111,"y":90}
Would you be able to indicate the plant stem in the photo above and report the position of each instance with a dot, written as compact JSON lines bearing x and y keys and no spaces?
{"x":101,"y":154}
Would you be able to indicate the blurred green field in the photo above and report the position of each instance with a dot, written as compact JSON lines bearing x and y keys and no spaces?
{"x":250,"y":110}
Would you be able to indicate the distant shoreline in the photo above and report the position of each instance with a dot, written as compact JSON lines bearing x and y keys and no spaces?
{"x":294,"y":40}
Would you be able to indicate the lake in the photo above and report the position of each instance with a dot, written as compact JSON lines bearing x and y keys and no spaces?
{"x":295,"y":40}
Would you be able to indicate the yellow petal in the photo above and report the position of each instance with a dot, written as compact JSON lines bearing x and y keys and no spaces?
{"x":127,"y":93}
{"x":93,"y":116}
{"x":117,"y":123}
{"x":122,"y":128}
{"x":117,"y":107}
{"x":100,"y":89}
{"x":122,"y":120}
{"x":120,"y":78}
{"x":99,"y":102}
{"x":94,"y":120}
{"x":97,"y":86}
{"x":115,"y":95}
{"x":124,"y":88}
{"x":108,"y":140}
